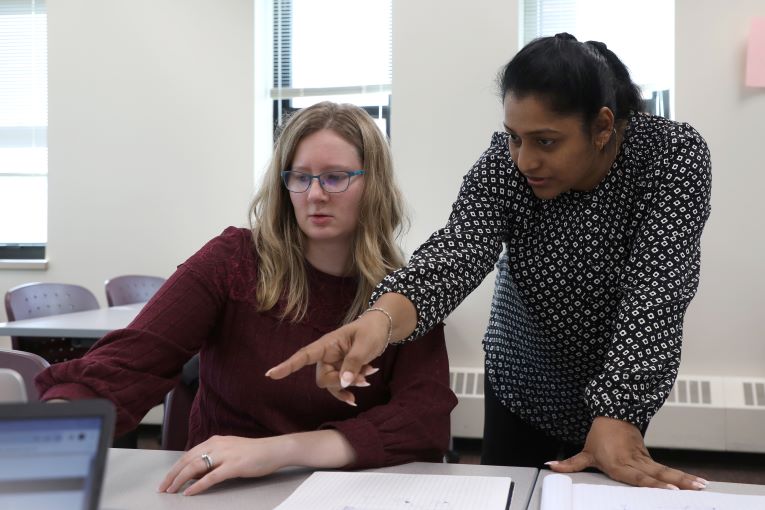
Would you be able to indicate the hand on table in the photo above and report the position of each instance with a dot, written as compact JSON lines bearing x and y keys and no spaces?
{"x":229,"y":456}
{"x":616,"y":448}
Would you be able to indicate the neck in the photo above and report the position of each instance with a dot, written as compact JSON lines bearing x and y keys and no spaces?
{"x":329,"y":257}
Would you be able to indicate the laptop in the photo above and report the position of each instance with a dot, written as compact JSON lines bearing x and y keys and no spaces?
{"x":54,"y":455}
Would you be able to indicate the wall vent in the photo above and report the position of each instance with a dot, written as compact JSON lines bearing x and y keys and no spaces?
{"x":701,"y":412}
{"x":754,"y":393}
{"x":466,"y":382}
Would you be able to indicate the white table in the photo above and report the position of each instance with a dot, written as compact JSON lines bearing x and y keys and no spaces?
{"x":132,"y":477}
{"x":601,"y":479}
{"x":89,"y":324}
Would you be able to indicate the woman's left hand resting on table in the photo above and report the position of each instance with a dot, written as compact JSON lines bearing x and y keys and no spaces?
{"x":223,"y":457}
{"x":617,"y":449}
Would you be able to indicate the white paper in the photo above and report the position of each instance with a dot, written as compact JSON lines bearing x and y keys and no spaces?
{"x":334,"y":490}
{"x":613,"y":497}
{"x":557,"y":493}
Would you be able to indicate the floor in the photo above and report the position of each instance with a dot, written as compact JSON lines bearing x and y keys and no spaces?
{"x":717,"y":466}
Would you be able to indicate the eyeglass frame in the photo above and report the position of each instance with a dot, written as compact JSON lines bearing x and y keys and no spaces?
{"x":349,"y":173}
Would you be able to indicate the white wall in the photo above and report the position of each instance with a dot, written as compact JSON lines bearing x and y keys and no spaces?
{"x":150,"y":134}
{"x":445,"y":107}
{"x":444,"y":62}
{"x":725,"y":331}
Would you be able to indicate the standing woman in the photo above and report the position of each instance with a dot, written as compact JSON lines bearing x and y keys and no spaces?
{"x":600,"y":209}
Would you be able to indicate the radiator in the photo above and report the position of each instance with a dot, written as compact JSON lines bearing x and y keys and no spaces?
{"x":701,"y":412}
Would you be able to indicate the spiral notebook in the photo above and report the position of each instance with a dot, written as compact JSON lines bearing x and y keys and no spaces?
{"x":336,"y":490}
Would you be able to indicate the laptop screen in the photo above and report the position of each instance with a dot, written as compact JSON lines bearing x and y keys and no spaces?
{"x":54,"y":458}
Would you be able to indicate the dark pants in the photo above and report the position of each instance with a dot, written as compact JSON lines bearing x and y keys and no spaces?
{"x":509,"y":441}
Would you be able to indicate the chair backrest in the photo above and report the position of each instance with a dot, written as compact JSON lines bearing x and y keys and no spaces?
{"x":178,"y":401}
{"x":33,"y":300}
{"x":129,"y":289}
{"x":12,"y":389}
{"x":28,"y":365}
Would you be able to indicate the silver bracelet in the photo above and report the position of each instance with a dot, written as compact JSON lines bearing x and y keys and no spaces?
{"x":390,"y":322}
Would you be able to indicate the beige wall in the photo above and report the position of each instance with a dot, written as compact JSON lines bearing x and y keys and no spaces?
{"x":150,"y":134}
{"x":151,"y":143}
{"x":725,"y":326}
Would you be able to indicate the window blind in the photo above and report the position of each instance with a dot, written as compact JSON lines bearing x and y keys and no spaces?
{"x":23,"y":123}
{"x":332,"y":47}
{"x":547,"y":17}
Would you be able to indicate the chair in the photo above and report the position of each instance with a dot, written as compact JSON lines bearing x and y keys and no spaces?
{"x":129,"y":289}
{"x":28,"y":365}
{"x":12,"y":390}
{"x":175,"y":423}
{"x":33,"y":300}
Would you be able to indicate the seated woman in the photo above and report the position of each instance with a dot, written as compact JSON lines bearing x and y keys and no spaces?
{"x":321,"y":237}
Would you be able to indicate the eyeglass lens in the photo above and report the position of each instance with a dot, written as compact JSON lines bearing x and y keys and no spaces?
{"x":331,"y":182}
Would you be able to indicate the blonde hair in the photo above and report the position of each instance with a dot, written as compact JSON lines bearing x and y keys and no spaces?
{"x":279,"y":241}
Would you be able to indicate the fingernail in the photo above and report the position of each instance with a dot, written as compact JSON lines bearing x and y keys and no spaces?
{"x":372,"y":371}
{"x":268,"y":373}
{"x":673,"y":487}
{"x":552,"y":463}
{"x":701,"y":480}
{"x":362,"y":384}
{"x":346,"y":379}
{"x":350,"y":403}
{"x":699,"y":485}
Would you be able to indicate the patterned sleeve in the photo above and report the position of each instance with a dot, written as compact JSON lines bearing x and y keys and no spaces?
{"x":456,"y":258}
{"x":658,"y":282}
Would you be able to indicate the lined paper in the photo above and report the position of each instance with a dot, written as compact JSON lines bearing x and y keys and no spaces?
{"x":559,"y":491}
{"x":335,"y":490}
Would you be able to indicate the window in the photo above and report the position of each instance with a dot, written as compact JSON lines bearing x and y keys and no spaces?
{"x":337,"y":50}
{"x":642,"y":34}
{"x":23,"y":129}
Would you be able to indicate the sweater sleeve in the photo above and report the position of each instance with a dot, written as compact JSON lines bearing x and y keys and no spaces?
{"x":414,"y":424}
{"x":135,"y":367}
{"x":658,"y":282}
{"x":456,"y":259}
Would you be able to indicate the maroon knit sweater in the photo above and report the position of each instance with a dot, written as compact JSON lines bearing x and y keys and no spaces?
{"x":209,"y":306}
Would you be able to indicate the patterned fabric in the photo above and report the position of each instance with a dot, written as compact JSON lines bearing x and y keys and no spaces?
{"x":590,"y":295}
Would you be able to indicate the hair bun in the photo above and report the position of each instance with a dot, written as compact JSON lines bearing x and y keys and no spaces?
{"x":565,"y":36}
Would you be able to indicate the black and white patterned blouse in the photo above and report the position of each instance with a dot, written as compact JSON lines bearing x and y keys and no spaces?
{"x":588,"y":307}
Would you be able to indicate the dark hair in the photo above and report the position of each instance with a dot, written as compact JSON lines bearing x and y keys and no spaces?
{"x":573,"y":77}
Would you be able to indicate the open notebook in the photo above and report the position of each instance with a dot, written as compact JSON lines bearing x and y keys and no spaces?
{"x":333,"y":490}
{"x":560,"y":493}
{"x":52,"y":456}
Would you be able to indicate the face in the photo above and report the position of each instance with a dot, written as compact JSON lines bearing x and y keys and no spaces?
{"x":552,"y":151}
{"x":327,"y":217}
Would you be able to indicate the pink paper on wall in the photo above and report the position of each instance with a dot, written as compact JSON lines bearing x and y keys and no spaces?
{"x":755,"y":54}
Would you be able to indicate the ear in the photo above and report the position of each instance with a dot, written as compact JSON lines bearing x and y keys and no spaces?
{"x":603,"y":127}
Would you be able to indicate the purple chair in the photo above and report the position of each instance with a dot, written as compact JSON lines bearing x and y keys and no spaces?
{"x":129,"y":289}
{"x":28,"y":365}
{"x":178,"y":401}
{"x":34,"y":300}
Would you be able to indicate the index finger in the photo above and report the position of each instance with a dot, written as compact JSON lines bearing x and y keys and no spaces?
{"x":308,"y":355}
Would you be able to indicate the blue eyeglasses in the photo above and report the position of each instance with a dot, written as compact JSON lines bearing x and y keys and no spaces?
{"x":336,"y":181}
